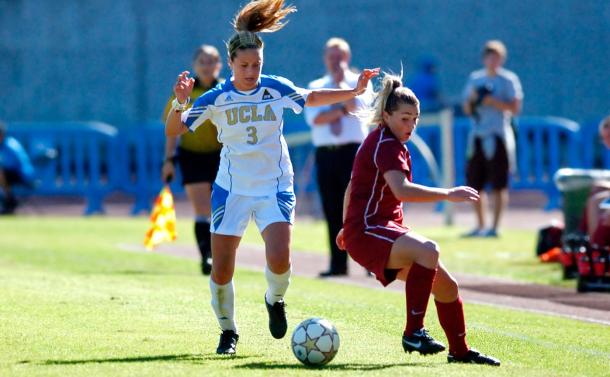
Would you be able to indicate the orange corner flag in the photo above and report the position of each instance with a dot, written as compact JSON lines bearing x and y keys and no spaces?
{"x":163,"y":219}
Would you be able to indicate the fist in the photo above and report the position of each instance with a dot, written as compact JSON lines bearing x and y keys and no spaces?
{"x":463,"y":194}
{"x":363,"y":80}
{"x":183,"y":87}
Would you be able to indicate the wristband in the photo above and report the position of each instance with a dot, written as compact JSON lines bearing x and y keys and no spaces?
{"x":180,"y":107}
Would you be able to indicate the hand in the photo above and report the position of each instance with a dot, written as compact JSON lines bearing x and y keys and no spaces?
{"x":364,"y":79}
{"x":168,"y":171}
{"x":340,"y":241}
{"x":463,"y":194}
{"x":183,"y":87}
{"x":488,"y":100}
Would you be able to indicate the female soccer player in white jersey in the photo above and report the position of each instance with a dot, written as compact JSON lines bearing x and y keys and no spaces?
{"x":255,"y":177}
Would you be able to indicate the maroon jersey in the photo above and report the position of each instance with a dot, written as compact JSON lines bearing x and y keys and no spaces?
{"x":372,"y":205}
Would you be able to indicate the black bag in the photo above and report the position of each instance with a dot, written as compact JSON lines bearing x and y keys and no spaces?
{"x":548,"y":238}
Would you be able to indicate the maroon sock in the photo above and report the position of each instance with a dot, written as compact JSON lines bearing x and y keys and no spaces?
{"x":451,"y":317}
{"x":418,"y":288}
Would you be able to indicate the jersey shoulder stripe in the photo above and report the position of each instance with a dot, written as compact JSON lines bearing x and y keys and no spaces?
{"x":281,"y":84}
{"x":209,"y":97}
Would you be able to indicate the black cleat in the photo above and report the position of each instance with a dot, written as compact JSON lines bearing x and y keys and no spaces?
{"x":277,"y":319}
{"x":474,"y":357}
{"x":421,"y":342}
{"x":228,"y":343}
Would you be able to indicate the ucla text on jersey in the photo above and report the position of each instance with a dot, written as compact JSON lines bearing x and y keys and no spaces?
{"x":254,"y":157}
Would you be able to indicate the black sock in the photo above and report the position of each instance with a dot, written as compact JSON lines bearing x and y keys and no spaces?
{"x":202,"y":234}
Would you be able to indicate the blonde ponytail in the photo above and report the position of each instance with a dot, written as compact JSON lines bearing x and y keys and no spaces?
{"x":391,"y":95}
{"x":262,"y":16}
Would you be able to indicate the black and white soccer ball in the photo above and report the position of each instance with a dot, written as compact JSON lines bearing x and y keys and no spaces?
{"x":315,"y":341}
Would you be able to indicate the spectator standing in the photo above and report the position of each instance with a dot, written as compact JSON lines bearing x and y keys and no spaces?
{"x":492,"y":96}
{"x":337,"y":132}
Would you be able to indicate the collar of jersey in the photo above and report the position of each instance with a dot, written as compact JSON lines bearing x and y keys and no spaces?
{"x":234,"y":89}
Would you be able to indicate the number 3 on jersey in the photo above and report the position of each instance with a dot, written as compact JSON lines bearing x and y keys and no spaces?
{"x":252,"y":137}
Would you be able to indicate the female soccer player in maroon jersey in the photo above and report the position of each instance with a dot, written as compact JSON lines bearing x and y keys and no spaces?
{"x":374,"y":234}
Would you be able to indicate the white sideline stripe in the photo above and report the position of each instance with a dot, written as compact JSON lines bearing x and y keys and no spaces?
{"x":543,"y":343}
{"x":537,"y":311}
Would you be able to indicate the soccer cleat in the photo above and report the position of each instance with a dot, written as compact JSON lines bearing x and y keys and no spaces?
{"x":421,"y":342}
{"x":277,"y":319}
{"x":228,"y":343}
{"x":474,"y":357}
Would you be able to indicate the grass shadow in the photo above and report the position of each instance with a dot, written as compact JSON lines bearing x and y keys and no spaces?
{"x":332,"y":366}
{"x":193,"y":358}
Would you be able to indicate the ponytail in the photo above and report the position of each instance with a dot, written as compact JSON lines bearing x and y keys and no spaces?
{"x":262,"y":16}
{"x":391,"y":95}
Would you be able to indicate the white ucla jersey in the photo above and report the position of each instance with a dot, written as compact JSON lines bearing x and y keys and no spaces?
{"x":254,"y":157}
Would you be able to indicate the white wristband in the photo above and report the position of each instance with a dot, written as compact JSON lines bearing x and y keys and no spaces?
{"x":180,"y":107}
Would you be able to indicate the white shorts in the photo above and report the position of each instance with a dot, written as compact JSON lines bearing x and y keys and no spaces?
{"x":231,"y":212}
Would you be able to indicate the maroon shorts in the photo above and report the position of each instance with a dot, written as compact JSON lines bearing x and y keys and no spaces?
{"x":371,"y":248}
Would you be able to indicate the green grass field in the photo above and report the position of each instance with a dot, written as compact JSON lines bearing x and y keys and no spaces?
{"x":510,"y":256}
{"x":73,"y":303}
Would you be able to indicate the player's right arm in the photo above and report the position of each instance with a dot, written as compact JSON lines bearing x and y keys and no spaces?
{"x":182,"y":89}
{"x":340,"y":240}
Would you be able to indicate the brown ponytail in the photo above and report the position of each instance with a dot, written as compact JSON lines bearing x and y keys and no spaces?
{"x":391,"y":95}
{"x":262,"y":16}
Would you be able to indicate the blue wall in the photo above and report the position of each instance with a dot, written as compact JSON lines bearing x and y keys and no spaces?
{"x":116,"y":61}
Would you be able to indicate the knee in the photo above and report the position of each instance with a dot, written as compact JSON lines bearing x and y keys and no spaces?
{"x":279,"y":263}
{"x":433,"y":252}
{"x":222,"y":273}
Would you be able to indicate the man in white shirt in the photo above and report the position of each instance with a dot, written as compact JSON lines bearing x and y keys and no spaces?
{"x":337,"y":132}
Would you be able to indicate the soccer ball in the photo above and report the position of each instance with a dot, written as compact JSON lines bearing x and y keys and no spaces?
{"x":315,"y":341}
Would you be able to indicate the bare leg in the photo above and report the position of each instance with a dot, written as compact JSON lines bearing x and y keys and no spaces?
{"x":480,"y":207}
{"x":224,"y":249}
{"x":199,"y":195}
{"x":413,"y":248}
{"x":500,"y":203}
{"x":277,"y":246}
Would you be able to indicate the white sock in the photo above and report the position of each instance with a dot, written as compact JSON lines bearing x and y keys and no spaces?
{"x":223,"y":303}
{"x":278,"y":284}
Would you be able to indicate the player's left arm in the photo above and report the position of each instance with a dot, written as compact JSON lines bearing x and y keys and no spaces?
{"x":406,"y":191}
{"x":321,"y":97}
